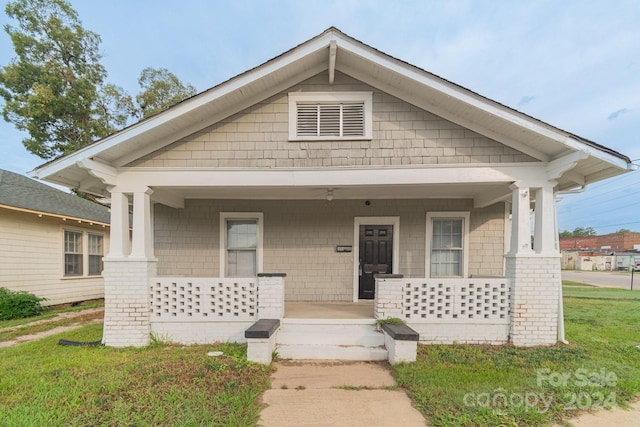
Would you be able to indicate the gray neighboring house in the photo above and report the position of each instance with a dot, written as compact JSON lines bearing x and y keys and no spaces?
{"x":51,"y":242}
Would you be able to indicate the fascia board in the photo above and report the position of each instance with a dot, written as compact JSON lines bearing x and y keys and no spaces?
{"x":184,"y":108}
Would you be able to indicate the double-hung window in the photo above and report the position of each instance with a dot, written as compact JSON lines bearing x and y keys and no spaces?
{"x":240,"y":244}
{"x":83,"y":253}
{"x":330,"y":115}
{"x":447,"y":244}
{"x":73,"y":259}
{"x":96,"y":252}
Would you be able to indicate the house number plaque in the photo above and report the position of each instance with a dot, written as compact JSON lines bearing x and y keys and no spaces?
{"x":344,"y":248}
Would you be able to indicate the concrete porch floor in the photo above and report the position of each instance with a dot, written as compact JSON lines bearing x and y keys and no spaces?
{"x":328,"y":310}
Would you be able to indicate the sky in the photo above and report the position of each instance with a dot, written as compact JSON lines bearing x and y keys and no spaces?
{"x":574,"y":64}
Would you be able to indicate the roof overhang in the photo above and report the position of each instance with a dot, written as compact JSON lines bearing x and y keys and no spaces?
{"x":582,"y":161}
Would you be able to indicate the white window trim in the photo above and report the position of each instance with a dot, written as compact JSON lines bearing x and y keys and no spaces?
{"x":224,"y":217}
{"x":374,"y":220}
{"x":330,"y":97}
{"x":85,"y":253}
{"x":465,"y":239}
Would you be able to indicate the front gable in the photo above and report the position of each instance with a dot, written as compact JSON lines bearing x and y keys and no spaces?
{"x":402,"y":134}
{"x":418,"y":120}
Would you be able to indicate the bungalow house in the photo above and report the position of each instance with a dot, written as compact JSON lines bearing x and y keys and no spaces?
{"x":334,"y":174}
{"x":51,"y":242}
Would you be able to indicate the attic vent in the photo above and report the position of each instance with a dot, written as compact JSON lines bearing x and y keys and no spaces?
{"x":331,"y":119}
{"x":333,"y":115}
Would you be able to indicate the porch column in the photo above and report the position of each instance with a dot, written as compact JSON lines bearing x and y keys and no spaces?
{"x":119,"y":234}
{"x":126,"y":274}
{"x":142,"y":242}
{"x":520,"y":220}
{"x":534,"y":275}
{"x":545,"y":238}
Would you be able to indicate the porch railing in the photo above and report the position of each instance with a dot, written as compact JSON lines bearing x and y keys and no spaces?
{"x":214,"y":299}
{"x":420,"y":300}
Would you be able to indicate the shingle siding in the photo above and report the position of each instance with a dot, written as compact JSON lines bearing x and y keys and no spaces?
{"x":402,"y":135}
{"x":300,"y":239}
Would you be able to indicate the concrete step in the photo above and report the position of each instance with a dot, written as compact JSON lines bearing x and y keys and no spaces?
{"x":342,"y":339}
{"x":332,"y":352}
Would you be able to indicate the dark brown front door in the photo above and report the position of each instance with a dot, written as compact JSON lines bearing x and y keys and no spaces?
{"x":376,"y":257}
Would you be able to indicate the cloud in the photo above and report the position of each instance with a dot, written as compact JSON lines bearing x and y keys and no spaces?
{"x":618,"y":113}
{"x":525,"y":100}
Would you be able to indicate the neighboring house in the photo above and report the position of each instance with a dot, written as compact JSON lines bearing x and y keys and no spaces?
{"x":626,"y":241}
{"x":335,"y":173}
{"x":51,"y":243}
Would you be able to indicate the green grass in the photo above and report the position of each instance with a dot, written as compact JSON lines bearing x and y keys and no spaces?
{"x":466,"y":385}
{"x":43,"y":383}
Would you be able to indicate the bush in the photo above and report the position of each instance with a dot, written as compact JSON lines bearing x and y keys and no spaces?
{"x":19,"y":304}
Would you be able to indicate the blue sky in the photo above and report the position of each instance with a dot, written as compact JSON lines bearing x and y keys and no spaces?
{"x":573,"y":63}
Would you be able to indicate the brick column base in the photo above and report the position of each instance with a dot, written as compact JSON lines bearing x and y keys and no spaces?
{"x":389,"y":296}
{"x":535,"y":280}
{"x":126,"y":302}
{"x":271,"y":295}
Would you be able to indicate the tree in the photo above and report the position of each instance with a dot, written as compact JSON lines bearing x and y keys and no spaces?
{"x":160,"y":89}
{"x":55,"y":88}
{"x":50,"y":89}
{"x":578,"y":232}
{"x":623,"y":230}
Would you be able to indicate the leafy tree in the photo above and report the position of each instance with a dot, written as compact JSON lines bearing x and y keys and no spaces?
{"x":623,"y":230}
{"x":160,"y":89}
{"x":578,"y":232}
{"x":55,"y":87}
{"x":50,"y":89}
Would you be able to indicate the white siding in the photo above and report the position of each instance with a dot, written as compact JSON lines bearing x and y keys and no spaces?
{"x":31,"y":258}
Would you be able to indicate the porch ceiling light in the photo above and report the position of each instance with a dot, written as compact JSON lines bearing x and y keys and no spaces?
{"x":330,"y":194}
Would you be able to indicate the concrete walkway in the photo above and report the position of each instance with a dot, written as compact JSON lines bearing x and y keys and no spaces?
{"x":336,"y":393}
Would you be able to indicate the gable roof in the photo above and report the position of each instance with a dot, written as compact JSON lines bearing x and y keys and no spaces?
{"x":333,"y":51}
{"x":17,"y":191}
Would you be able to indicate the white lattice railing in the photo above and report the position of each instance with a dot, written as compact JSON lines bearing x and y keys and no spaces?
{"x":474,"y":299}
{"x":220,"y":299}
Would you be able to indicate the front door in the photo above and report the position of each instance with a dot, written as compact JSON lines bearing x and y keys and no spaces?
{"x":376,"y":257}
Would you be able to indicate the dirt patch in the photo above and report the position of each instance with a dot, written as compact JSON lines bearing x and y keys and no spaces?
{"x":82,"y":318}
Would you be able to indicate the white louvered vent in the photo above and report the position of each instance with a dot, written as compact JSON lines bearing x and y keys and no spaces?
{"x":330,"y":120}
{"x":330,"y":115}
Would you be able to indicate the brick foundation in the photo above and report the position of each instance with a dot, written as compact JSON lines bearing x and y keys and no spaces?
{"x":127,"y":309}
{"x":534,"y":314}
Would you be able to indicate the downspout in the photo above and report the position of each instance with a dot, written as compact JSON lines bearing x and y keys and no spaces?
{"x":561,"y":336}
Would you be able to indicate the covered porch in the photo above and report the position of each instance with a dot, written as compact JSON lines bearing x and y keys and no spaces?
{"x":511,"y":297}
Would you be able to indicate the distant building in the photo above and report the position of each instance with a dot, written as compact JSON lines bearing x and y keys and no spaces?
{"x":614,"y":242}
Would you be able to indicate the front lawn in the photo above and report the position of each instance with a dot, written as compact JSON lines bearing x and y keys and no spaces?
{"x":467,"y":385}
{"x":45,"y":384}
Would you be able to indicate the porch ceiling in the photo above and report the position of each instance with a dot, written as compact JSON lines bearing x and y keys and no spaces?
{"x":418,"y":191}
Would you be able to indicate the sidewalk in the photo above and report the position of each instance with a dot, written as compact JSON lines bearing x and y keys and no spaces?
{"x":336,"y":393}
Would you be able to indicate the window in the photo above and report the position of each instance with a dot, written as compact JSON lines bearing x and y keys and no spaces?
{"x":447,"y":244}
{"x":72,"y":253}
{"x":96,"y":252}
{"x":330,"y":115}
{"x":240,"y":244}
{"x":83,"y":252}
